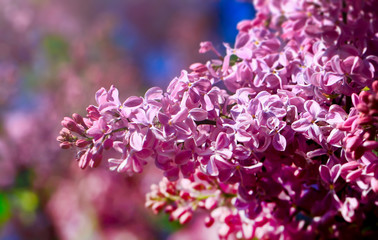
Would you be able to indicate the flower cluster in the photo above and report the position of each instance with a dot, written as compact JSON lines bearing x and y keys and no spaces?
{"x":288,"y":118}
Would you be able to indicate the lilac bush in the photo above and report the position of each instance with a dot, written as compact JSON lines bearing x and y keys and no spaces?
{"x":277,"y":139}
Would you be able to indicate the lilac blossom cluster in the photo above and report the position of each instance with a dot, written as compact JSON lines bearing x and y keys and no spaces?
{"x":277,"y":139}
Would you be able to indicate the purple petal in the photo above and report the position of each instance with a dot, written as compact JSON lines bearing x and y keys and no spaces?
{"x":335,"y":136}
{"x":355,"y":99}
{"x":101,"y":96}
{"x":255,"y":107}
{"x":114,"y":163}
{"x":312,"y":107}
{"x":325,"y":174}
{"x":198,"y":114}
{"x":244,"y":53}
{"x":336,"y":65}
{"x":203,"y":85}
{"x":163,"y":118}
{"x":183,"y":157}
{"x":224,"y":153}
{"x":279,"y":142}
{"x":299,"y":24}
{"x":212,"y":168}
{"x":133,"y":101}
{"x":253,"y":169}
{"x":335,"y":172}
{"x":125,"y":165}
{"x":332,"y":79}
{"x":136,"y":141}
{"x":172,"y":174}
{"x":137,"y":165}
{"x":208,"y":103}
{"x":222,"y":141}
{"x":154,"y":93}
{"x":113,"y":96}
{"x":353,"y":175}
{"x":301,"y":125}
{"x":180,"y":116}
{"x":316,"y":153}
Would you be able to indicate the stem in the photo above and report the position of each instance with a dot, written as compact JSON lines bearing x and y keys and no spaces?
{"x":344,"y":13}
{"x":203,"y":122}
{"x":119,"y":130}
{"x":348,"y":103}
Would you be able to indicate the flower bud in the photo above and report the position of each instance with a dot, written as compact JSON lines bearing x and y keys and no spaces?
{"x":184,"y":195}
{"x":185,"y":218}
{"x":362,"y":107}
{"x":375,"y":86}
{"x":357,"y":154}
{"x":79,"y":119}
{"x":64,"y":132}
{"x":365,"y":120}
{"x":370,"y":145}
{"x":93,"y":113}
{"x":353,"y":142}
{"x":81,"y":143}
{"x":365,"y":96}
{"x":60,"y":139}
{"x":198,"y":186}
{"x":71,"y":125}
{"x":65,"y":145}
{"x":157,"y":206}
{"x":169,"y":209}
{"x":209,"y":221}
{"x":210,"y":203}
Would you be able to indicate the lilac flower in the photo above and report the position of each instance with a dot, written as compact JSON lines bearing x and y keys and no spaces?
{"x":309,"y":121}
{"x":271,"y":140}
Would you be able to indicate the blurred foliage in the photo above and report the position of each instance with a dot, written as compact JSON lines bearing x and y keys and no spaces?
{"x":20,"y":201}
{"x":56,"y":48}
{"x":5,"y":208}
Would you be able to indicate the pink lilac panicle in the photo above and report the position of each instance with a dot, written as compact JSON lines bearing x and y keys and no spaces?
{"x":277,"y":139}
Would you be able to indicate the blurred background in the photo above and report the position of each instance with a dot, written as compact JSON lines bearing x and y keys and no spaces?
{"x":54,"y":56}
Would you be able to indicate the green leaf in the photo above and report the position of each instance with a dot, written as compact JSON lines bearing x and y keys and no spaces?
{"x":5,"y":208}
{"x":234,"y":59}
